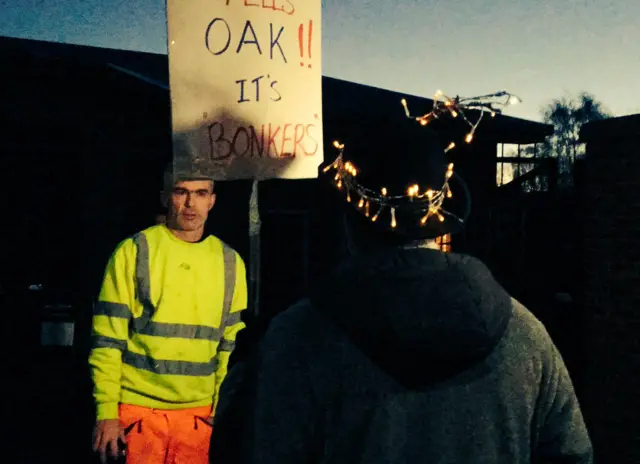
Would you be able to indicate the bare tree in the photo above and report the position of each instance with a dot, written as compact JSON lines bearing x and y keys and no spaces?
{"x":567,"y":117}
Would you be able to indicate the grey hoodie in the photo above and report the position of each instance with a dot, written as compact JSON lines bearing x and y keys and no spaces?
{"x":411,"y":356}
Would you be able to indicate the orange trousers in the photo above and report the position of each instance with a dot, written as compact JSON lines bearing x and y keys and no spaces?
{"x":160,"y":436}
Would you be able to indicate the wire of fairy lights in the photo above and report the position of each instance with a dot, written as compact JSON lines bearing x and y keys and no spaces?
{"x":493,"y":103}
{"x":426,"y":202}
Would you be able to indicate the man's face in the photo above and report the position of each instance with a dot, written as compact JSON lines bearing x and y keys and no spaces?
{"x":189,"y":203}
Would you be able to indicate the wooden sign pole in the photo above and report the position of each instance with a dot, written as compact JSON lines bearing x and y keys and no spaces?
{"x":254,"y":249}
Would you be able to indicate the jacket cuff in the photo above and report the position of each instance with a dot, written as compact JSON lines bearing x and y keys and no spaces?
{"x":107,"y":411}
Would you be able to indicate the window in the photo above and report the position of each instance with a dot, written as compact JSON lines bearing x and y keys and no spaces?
{"x":444,"y":242}
{"x":512,"y":161}
{"x":505,"y":172}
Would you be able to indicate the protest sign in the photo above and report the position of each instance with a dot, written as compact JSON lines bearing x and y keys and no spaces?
{"x":245,"y":80}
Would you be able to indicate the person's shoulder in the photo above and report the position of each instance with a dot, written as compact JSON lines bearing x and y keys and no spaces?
{"x":301,"y":310}
{"x":217,"y":243}
{"x":527,"y":321}
{"x":128,"y":244}
{"x":527,"y":332}
{"x":134,"y":240}
{"x":154,"y":231}
{"x":298,"y":322}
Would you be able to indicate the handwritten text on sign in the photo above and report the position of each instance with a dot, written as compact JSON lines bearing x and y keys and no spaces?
{"x":246,"y":83}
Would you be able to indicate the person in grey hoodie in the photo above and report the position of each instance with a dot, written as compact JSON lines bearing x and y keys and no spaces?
{"x":405,"y":354}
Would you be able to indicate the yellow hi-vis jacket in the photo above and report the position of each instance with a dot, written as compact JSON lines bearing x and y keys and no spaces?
{"x":165,"y":322}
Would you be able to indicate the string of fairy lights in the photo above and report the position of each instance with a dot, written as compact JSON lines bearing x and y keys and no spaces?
{"x":426,"y":202}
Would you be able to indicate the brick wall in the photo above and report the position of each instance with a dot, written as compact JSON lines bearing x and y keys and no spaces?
{"x":612,"y":288}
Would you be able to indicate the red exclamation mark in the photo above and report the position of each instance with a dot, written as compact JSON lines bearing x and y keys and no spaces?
{"x":310,"y":37}
{"x":301,"y":41}
{"x":300,"y":44}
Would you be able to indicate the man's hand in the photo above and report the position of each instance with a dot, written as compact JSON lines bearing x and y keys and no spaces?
{"x":106,"y":437}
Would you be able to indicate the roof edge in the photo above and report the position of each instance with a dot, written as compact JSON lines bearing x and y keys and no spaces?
{"x":618,"y":127}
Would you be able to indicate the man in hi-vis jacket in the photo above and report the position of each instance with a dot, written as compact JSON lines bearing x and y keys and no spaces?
{"x":163,"y":329}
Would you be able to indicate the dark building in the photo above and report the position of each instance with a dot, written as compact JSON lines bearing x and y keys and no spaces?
{"x":90,"y":129}
{"x":86,"y":133}
{"x":612,"y":287}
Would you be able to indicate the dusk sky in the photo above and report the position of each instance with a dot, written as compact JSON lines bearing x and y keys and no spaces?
{"x":537,"y":49}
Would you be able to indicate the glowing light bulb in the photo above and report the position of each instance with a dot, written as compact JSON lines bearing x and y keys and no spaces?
{"x":406,"y":108}
{"x":384,"y":191}
{"x":338,"y":145}
{"x":430,"y":194}
{"x":375,"y":216}
{"x":350,"y":168}
{"x":394,"y":223}
{"x":469,"y":137}
{"x":361,"y":203}
{"x":424,"y":122}
{"x":449,"y":194}
{"x":514,"y":100}
{"x":349,"y":197}
{"x":440,"y":217}
{"x":450,"y":147}
{"x":366,"y":208}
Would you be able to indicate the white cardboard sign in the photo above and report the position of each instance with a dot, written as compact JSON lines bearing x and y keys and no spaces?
{"x":246,"y":87}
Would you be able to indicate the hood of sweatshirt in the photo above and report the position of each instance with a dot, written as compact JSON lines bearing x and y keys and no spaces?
{"x":419,"y":314}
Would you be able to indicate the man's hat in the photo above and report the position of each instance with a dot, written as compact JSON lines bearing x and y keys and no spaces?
{"x":400,"y":181}
{"x":177,"y":171}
